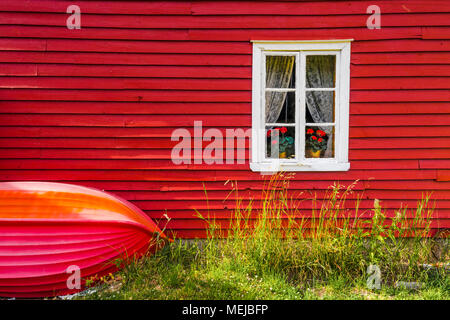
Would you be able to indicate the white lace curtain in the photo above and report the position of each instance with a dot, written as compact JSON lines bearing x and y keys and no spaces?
{"x":278,"y":75}
{"x":320,"y":73}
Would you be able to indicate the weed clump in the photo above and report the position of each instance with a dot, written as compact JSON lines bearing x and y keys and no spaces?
{"x":326,"y":242}
{"x":296,"y":245}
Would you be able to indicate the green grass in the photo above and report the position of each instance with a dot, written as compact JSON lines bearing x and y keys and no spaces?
{"x":273,"y":251}
{"x":165,"y":276}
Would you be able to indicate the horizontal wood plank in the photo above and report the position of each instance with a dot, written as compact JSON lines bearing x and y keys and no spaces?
{"x":96,"y":58}
{"x":222,"y":21}
{"x":89,"y":107}
{"x":104,"y":7}
{"x":313,"y":8}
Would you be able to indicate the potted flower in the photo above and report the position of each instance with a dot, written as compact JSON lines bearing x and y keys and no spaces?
{"x":316,"y":142}
{"x":285,"y":143}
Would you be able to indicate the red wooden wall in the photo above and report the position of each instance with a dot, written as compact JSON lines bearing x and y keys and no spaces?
{"x":97,"y":106}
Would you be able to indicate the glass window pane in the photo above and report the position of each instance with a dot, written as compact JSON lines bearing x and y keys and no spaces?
{"x":280,"y":142}
{"x":320,"y":71}
{"x":280,"y":107}
{"x":280,"y":71}
{"x":319,"y":142}
{"x":320,"y":106}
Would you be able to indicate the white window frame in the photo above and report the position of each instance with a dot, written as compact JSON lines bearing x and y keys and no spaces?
{"x":300,"y":49}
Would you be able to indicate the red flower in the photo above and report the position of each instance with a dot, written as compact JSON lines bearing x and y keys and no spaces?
{"x":320,"y":140}
{"x":310,"y":131}
{"x":269,"y":132}
{"x":314,"y":137}
{"x":320,"y":133}
{"x":283,"y":129}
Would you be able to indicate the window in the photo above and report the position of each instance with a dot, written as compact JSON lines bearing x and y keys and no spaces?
{"x":300,"y":105}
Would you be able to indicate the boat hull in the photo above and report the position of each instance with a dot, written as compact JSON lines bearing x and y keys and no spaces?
{"x":51,"y":233}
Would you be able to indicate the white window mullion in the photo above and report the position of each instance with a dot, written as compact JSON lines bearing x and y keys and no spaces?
{"x":279,"y":90}
{"x":344,"y":97}
{"x":319,"y":89}
{"x":302,"y":101}
{"x":337,"y":111}
{"x":257,"y":102}
{"x":262,"y":135}
{"x":320,"y":124}
{"x":297,"y":107}
{"x":280,"y":124}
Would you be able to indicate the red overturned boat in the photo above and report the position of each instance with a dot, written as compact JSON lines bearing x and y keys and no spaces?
{"x":49,"y":231}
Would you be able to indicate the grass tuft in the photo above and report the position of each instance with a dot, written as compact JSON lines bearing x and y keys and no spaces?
{"x":273,"y":250}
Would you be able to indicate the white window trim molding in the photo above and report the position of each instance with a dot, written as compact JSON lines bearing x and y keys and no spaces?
{"x":258,"y":162}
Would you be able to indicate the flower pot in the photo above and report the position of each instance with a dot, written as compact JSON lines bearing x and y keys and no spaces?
{"x":283,"y":154}
{"x":310,"y":153}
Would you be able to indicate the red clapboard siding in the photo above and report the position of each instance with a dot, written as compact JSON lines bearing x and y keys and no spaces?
{"x":435,"y":164}
{"x":225,"y":224}
{"x":388,"y":154}
{"x":39,"y":107}
{"x":23,"y":44}
{"x":400,"y":108}
{"x":209,"y":96}
{"x":207,"y":84}
{"x":399,"y":95}
{"x":92,"y":33}
{"x":182,"y":72}
{"x":444,"y":214}
{"x":400,"y":120}
{"x":168,"y":186}
{"x":419,"y":57}
{"x":202,"y":204}
{"x":321,"y":33}
{"x":311,"y":8}
{"x":129,"y":83}
{"x":400,"y":70}
{"x":127,"y":95}
{"x":436,"y":33}
{"x":90,"y":132}
{"x":229,"y":7}
{"x":224,"y":22}
{"x":97,"y":106}
{"x":410,"y":131}
{"x":199,"y":46}
{"x":130,"y":164}
{"x":104,"y":7}
{"x":443,"y":175}
{"x":200,"y":108}
{"x":400,"y":83}
{"x":219,"y":35}
{"x":307,"y":213}
{"x":94,"y":58}
{"x":114,"y":143}
{"x":156,"y":153}
{"x":18,"y":70}
{"x":355,"y":132}
{"x":122,"y":120}
{"x":256,"y":195}
{"x":223,"y":35}
{"x":207,"y":120}
{"x":153,"y":46}
{"x":400,"y":143}
{"x":149,"y":143}
{"x":198,"y":175}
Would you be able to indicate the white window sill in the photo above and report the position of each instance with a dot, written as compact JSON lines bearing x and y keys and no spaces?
{"x":320,"y":166}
